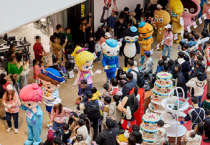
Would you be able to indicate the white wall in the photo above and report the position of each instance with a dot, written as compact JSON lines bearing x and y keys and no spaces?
{"x":16,"y":13}
{"x":99,"y":4}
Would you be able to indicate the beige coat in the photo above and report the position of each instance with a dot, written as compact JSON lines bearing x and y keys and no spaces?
{"x":114,"y":112}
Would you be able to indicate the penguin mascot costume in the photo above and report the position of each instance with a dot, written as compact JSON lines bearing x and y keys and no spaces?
{"x":130,"y":46}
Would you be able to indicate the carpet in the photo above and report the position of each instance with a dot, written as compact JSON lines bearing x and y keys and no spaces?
{"x":189,"y":123}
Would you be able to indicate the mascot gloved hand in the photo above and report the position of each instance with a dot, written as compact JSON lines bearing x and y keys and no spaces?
{"x":130,"y":46}
{"x":191,"y":10}
{"x":110,"y":60}
{"x":145,"y":38}
{"x":162,"y":19}
{"x":51,"y":80}
{"x":31,"y":96}
{"x":177,"y":20}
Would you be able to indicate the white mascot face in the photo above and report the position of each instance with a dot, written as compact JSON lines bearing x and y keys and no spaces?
{"x":111,"y":47}
{"x":131,"y":38}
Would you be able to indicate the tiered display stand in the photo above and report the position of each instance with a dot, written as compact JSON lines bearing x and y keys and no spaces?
{"x":173,"y":111}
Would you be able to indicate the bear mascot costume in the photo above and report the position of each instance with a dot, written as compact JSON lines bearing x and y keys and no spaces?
{"x":162,"y":19}
{"x":130,"y":46}
{"x":145,"y":38}
{"x":177,"y":21}
{"x":110,"y":62}
{"x":191,"y":10}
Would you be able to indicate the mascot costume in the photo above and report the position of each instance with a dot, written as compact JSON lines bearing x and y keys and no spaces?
{"x":84,"y":62}
{"x":130,"y":46}
{"x":191,"y":10}
{"x":110,"y":60}
{"x":145,"y":38}
{"x":51,"y":80}
{"x":162,"y":19}
{"x":31,"y":97}
{"x":177,"y":21}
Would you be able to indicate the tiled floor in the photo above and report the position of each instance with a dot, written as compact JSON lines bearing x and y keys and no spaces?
{"x":67,"y":93}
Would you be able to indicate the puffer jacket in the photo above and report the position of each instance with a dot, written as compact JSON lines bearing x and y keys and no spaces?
{"x":200,"y":73}
{"x":108,"y":136}
{"x":180,"y":80}
{"x":197,"y":85}
{"x":129,"y":85}
{"x":147,"y":66}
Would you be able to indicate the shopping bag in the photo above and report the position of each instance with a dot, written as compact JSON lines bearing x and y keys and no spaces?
{"x":71,"y":74}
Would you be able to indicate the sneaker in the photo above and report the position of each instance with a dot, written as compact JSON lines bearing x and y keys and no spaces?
{"x":16,"y":131}
{"x":9,"y":129}
{"x":3,"y":118}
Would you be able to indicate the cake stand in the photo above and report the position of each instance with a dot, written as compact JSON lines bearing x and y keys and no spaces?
{"x":176,"y":129}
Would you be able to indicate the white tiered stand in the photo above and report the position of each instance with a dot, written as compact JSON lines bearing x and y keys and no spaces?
{"x":176,"y":129}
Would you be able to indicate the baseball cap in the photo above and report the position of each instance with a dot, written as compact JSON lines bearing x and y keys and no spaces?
{"x":147,"y":53}
{"x":107,"y":34}
{"x":168,"y":26}
{"x":57,"y":101}
{"x":159,"y":6}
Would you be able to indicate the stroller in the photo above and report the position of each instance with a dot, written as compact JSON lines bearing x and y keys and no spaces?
{"x":61,"y":70}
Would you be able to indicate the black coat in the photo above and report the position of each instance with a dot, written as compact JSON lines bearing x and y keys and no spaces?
{"x":200,"y":73}
{"x":126,"y":18}
{"x":180,"y":80}
{"x":61,"y":36}
{"x":207,"y":126}
{"x":129,"y":85}
{"x":108,"y":136}
{"x":118,"y":29}
{"x":185,"y":69}
{"x":138,"y":14}
{"x":80,"y":38}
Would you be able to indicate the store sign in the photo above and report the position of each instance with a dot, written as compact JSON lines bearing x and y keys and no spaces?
{"x":82,"y":10}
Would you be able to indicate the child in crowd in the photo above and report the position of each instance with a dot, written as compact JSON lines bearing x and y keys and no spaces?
{"x":59,"y":114}
{"x":166,"y":67}
{"x":67,"y":133}
{"x":50,"y":137}
{"x":160,"y":66}
{"x":192,"y":33}
{"x":113,"y":111}
{"x":121,"y":85}
{"x":161,"y":132}
{"x":38,"y":48}
{"x":96,"y":94}
{"x":114,"y":88}
{"x":190,"y":134}
{"x":107,"y":101}
{"x":164,"y":58}
{"x":206,"y":103}
{"x":11,"y":103}
{"x":171,"y":66}
{"x":98,"y":50}
{"x":168,"y":40}
{"x":191,"y":42}
{"x":204,"y":39}
{"x":36,"y":71}
{"x":195,"y":47}
{"x":120,"y":73}
{"x":91,"y":45}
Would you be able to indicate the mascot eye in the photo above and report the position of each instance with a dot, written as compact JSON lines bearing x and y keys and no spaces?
{"x":156,"y":19}
{"x":108,"y":52}
{"x":48,"y":87}
{"x":186,"y":10}
{"x":87,"y":67}
{"x":117,"y":51}
{"x":161,"y":20}
{"x":29,"y":104}
{"x":192,"y":10}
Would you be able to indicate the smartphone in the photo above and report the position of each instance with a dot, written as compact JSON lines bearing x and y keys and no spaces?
{"x":179,"y":47}
{"x":129,"y":124}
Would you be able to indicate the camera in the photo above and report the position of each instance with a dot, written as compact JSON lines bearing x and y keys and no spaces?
{"x":79,"y":137}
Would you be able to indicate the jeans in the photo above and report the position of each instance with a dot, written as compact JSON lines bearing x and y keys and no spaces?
{"x":15,"y":118}
{"x":206,"y":22}
{"x":56,"y":125}
{"x":169,"y":50}
{"x":200,"y":98}
{"x":98,"y":55}
{"x":95,"y":129}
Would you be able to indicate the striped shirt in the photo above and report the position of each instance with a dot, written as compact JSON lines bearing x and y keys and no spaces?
{"x":54,"y":95}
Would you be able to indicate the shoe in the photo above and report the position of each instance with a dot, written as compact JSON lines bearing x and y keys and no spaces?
{"x":16,"y":131}
{"x":9,"y":129}
{"x":4,"y":118}
{"x":28,"y":142}
{"x":206,"y":140}
{"x":168,"y":58}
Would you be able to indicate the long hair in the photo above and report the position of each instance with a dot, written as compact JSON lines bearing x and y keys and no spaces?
{"x":71,"y":120}
{"x":87,"y":121}
{"x":119,"y":72}
{"x":82,"y":57}
{"x":169,"y":30}
{"x":200,"y":129}
{"x":7,"y":95}
{"x":60,"y":108}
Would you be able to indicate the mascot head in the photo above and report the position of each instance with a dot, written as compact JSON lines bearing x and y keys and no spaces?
{"x":51,"y":79}
{"x":191,"y":8}
{"x":176,"y":7}
{"x":162,"y":18}
{"x":131,"y":35}
{"x":145,"y":30}
{"x":111,"y":47}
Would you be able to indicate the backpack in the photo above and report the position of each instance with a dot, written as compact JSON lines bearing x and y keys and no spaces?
{"x":140,"y":78}
{"x":92,"y":111}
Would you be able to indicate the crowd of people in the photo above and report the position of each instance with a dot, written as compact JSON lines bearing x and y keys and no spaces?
{"x":110,"y":114}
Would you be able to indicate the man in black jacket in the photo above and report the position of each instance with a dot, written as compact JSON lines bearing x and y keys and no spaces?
{"x":62,"y":36}
{"x":180,"y":78}
{"x":199,"y":71}
{"x":108,"y":136}
{"x":119,"y":27}
{"x":129,"y":85}
{"x":125,"y":15}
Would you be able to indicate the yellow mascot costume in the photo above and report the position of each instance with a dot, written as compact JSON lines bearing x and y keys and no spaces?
{"x":145,"y":38}
{"x":162,"y":19}
{"x":177,"y":9}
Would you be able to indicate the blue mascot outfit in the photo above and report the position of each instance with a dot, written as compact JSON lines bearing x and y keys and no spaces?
{"x":110,"y":60}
